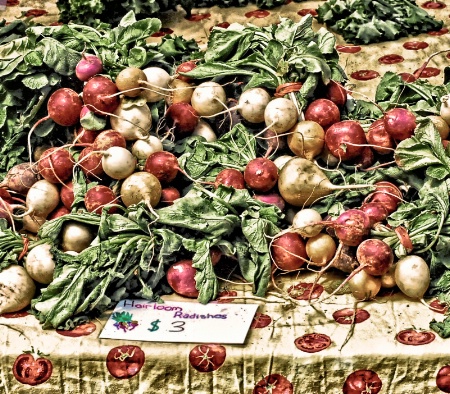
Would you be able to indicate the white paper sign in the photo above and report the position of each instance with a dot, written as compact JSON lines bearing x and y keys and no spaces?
{"x":143,"y":320}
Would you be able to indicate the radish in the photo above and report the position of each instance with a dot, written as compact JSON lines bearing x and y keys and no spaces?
{"x":324,"y":112}
{"x":182,"y":117}
{"x":305,"y":222}
{"x":17,"y":289}
{"x":280,"y":115}
{"x":412,"y":276}
{"x":386,"y":194}
{"x":32,"y":223}
{"x":118,"y":162}
{"x":280,"y":161}
{"x":208,"y":98}
{"x":181,"y":278}
{"x":143,"y":148}
{"x":163,"y":165}
{"x":271,"y":198}
{"x":76,"y":236}
{"x":58,"y":212}
{"x":21,"y":177}
{"x":203,"y":129}
{"x":141,"y":186}
{"x":99,"y":196}
{"x":100,"y":95}
{"x":90,"y":163}
{"x":252,"y":104}
{"x":288,"y":252}
{"x":169,"y":195}
{"x":400,"y":123}
{"x":40,"y":264}
{"x":376,"y":212}
{"x":388,"y":279}
{"x":274,"y":142}
{"x":64,"y":107}
{"x":320,"y":249}
{"x":336,"y":93}
{"x":185,"y":67}
{"x":84,"y":136}
{"x":301,"y":183}
{"x":91,"y":121}
{"x":157,"y":83}
{"x":42,"y":198}
{"x":306,"y":139}
{"x":88,"y":66}
{"x":179,"y":92}
{"x":56,"y":165}
{"x":108,"y":138}
{"x":346,"y":139}
{"x":364,"y":286}
{"x":230,"y":177}
{"x":130,"y":81}
{"x":379,"y":139}
{"x":441,"y":125}
{"x":375,"y":256}
{"x":261,"y":174}
{"x":132,"y":119}
{"x":6,"y":211}
{"x":444,"y":109}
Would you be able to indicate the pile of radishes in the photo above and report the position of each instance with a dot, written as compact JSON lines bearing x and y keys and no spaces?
{"x":125,"y":162}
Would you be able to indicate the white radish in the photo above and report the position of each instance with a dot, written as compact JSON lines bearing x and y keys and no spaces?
{"x":412,"y":276}
{"x":157,"y":84}
{"x":42,"y":198}
{"x":76,"y":236}
{"x":252,"y":103}
{"x":141,"y":186}
{"x":388,"y":279}
{"x":301,"y":183}
{"x":32,"y":223}
{"x":280,"y":115}
{"x":306,"y":222}
{"x":320,"y":249}
{"x":40,"y":264}
{"x":118,"y":162}
{"x":280,"y":161}
{"x":441,"y":125}
{"x":143,"y":148}
{"x":444,"y":110}
{"x":208,"y":98}
{"x":17,"y":289}
{"x":132,"y":119}
{"x":204,"y":130}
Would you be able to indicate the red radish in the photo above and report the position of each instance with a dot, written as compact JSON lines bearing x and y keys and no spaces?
{"x":21,"y":177}
{"x":108,"y":138}
{"x":366,"y":159}
{"x":274,"y":142}
{"x":345,"y":139}
{"x":56,"y":165}
{"x":400,"y":123}
{"x":230,"y":177}
{"x":261,"y":174}
{"x":6,"y":211}
{"x":90,"y":163}
{"x":100,"y":95}
{"x":181,"y":278}
{"x":387,"y":194}
{"x":185,"y":67}
{"x":271,"y":198}
{"x":377,"y":212}
{"x":350,"y":227}
{"x":64,"y":107}
{"x":216,"y":254}
{"x":58,"y":212}
{"x":66,"y":195}
{"x":336,"y":93}
{"x":182,"y":117}
{"x":324,"y":112}
{"x":288,"y":252}
{"x":375,"y":256}
{"x":88,"y":66}
{"x":84,"y":136}
{"x":99,"y":196}
{"x":379,"y":139}
{"x":163,"y":165}
{"x":169,"y":195}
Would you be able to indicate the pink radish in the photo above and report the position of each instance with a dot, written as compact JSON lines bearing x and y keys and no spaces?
{"x":346,"y":139}
{"x":181,"y":278}
{"x":379,"y":139}
{"x":400,"y":123}
{"x":324,"y":112}
{"x":88,"y":66}
{"x":271,"y":198}
{"x":182,"y":117}
{"x":386,"y":194}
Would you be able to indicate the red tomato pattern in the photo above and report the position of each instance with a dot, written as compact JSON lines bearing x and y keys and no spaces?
{"x":257,"y":14}
{"x":391,"y":59}
{"x":124,"y":362}
{"x":198,"y":17}
{"x":261,"y":320}
{"x":312,"y":343}
{"x":443,"y":379}
{"x":433,"y":5}
{"x":348,"y":48}
{"x":79,"y":331}
{"x":207,"y":358}
{"x":428,"y":72}
{"x":274,"y":384}
{"x":414,"y":337}
{"x":363,"y":381}
{"x":365,"y":75}
{"x":222,"y":296}
{"x":35,"y":13}
{"x":415,"y":45}
{"x":306,"y":11}
{"x":302,"y":291}
{"x":14,"y":315}
{"x":349,"y":316}
{"x":32,"y":371}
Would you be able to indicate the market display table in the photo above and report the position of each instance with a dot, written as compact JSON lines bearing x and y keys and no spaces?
{"x":293,"y":346}
{"x":307,"y":348}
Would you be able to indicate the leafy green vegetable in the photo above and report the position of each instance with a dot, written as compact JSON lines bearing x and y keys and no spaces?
{"x":369,"y":21}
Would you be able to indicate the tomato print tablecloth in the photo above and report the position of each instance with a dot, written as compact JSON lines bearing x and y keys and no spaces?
{"x":293,"y":346}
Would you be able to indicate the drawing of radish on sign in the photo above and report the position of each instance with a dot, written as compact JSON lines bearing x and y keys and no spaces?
{"x":32,"y":367}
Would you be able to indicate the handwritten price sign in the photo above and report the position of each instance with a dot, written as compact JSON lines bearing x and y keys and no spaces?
{"x":142,"y":320}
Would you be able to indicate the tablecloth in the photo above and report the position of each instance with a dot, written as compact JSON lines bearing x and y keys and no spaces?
{"x":293,"y":346}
